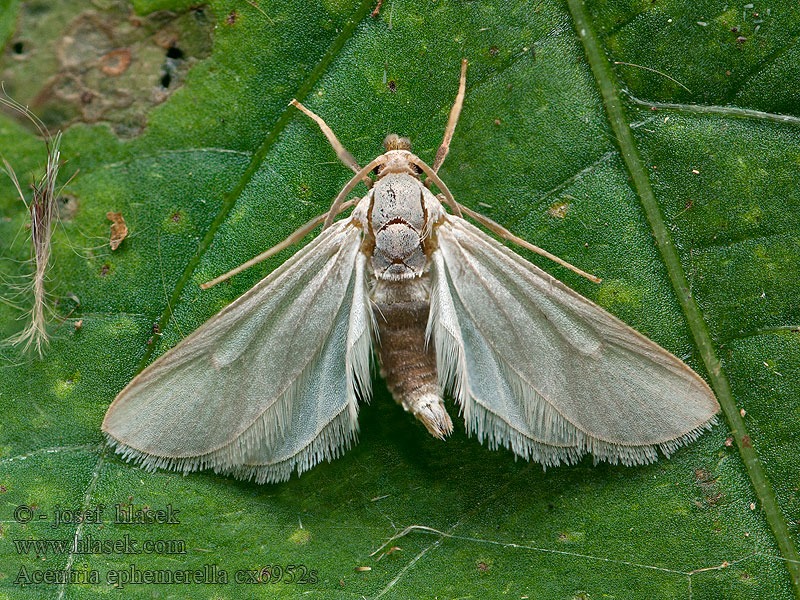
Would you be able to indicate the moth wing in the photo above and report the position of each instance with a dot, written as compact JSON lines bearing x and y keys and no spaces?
{"x":269,"y":384}
{"x":541,"y":369}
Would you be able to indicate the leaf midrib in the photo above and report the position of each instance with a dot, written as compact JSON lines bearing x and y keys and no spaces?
{"x":697,"y":326}
{"x":256,"y":161}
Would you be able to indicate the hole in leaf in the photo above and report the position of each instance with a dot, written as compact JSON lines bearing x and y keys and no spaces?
{"x":166,"y":79}
{"x":174,"y":52}
{"x":18,"y":47}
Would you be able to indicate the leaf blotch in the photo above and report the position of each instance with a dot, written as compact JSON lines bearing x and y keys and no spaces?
{"x":300,"y":537}
{"x":91,"y":66}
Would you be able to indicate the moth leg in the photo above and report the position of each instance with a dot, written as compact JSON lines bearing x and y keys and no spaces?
{"x":295,"y":237}
{"x":504,"y":233}
{"x":441,"y":153}
{"x":344,"y":156}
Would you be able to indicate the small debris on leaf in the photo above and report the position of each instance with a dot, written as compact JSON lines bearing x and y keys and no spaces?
{"x":119,"y":230}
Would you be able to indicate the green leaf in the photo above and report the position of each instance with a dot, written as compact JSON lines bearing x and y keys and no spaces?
{"x":653,"y":144}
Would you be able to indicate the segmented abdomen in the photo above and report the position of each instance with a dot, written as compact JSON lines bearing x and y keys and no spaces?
{"x":408,"y":367}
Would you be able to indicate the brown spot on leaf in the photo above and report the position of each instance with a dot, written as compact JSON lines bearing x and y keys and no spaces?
{"x":704,"y":477}
{"x":115,"y":62}
{"x":231,"y":18}
{"x":707,"y":482}
{"x":67,"y":207}
{"x":176,"y":217}
{"x":558,"y":210}
{"x":494,"y":51}
{"x":119,"y":230}
{"x":104,"y":270}
{"x":392,"y":85}
{"x":482,"y":566}
{"x":747,"y":442}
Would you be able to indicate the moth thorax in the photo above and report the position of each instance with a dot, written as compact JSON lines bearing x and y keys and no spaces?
{"x":397,"y":218}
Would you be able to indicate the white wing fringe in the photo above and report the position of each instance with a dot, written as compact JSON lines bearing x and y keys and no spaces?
{"x":443,"y":328}
{"x":496,"y":432}
{"x":336,"y":438}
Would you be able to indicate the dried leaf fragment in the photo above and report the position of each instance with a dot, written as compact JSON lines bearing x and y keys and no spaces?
{"x":119,"y":230}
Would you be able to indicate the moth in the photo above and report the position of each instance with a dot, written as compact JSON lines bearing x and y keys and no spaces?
{"x":272,"y":383}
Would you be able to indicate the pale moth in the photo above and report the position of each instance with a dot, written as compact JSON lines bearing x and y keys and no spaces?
{"x":271,"y":384}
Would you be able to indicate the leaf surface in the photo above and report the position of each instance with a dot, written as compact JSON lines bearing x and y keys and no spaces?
{"x":213,"y":168}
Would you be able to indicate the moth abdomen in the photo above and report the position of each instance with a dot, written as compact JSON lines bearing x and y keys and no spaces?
{"x":408,"y":365}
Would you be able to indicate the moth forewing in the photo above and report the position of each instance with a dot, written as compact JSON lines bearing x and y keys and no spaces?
{"x":551,"y":374}
{"x":237,"y":390}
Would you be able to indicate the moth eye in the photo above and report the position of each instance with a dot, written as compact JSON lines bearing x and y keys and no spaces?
{"x":377,"y":170}
{"x":416,"y":168}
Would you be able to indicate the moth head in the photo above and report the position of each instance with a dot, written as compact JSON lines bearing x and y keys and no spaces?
{"x":394,"y":142}
{"x":398,"y":157}
{"x":396,"y":160}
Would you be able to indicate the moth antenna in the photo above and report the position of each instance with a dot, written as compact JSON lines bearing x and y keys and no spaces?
{"x":344,"y":156}
{"x":336,"y":206}
{"x":507,"y":235}
{"x":432,"y":176}
{"x":455,"y":112}
{"x":293,"y":238}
